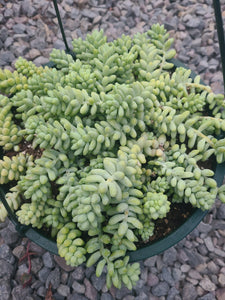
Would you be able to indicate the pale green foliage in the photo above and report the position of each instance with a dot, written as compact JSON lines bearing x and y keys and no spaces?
{"x":117,"y":136}
{"x":13,"y":200}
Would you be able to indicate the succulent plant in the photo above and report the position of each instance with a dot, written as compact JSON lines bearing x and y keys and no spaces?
{"x":99,"y":148}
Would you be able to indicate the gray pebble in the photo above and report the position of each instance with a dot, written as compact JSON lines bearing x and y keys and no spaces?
{"x":41,"y":291}
{"x":152,"y":280}
{"x":160,"y":289}
{"x":48,"y":260}
{"x":6,"y":254}
{"x":5,"y":289}
{"x":204,"y":228}
{"x":177,"y":274}
{"x":12,"y":237}
{"x":221,"y":212}
{"x":209,"y":243}
{"x":19,"y":28}
{"x":194,"y":258}
{"x":28,"y":8}
{"x":43,"y":274}
{"x":57,"y":296}
{"x":120,"y":293}
{"x":6,"y":269}
{"x":106,"y":296}
{"x":78,"y":273}
{"x":189,"y":292}
{"x":8,"y":13}
{"x":142,"y":296}
{"x":166,"y":275}
{"x":36,"y":264}
{"x":172,"y":293}
{"x":208,"y":296}
{"x":207,"y":284}
{"x":170,"y":255}
{"x":150,"y":262}
{"x":90,"y":291}
{"x":78,"y":288}
{"x":3,"y":34}
{"x":19,"y":292}
{"x":129,"y":297}
{"x":53,"y":278}
{"x":98,"y":282}
{"x":76,"y":296}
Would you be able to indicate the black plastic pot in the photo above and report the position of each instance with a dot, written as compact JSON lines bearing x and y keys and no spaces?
{"x":149,"y":250}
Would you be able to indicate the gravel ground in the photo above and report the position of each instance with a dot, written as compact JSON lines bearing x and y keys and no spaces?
{"x":193,"y":269}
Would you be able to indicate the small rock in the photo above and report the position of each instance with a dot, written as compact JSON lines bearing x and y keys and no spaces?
{"x":64,"y":277}
{"x":78,"y":288}
{"x":6,"y":269}
{"x":120,"y":293}
{"x":160,"y":289}
{"x":37,"y":249}
{"x":3,"y":34}
{"x":221,"y":212}
{"x":28,"y":8}
{"x":220,"y":294}
{"x":98,"y":282}
{"x":6,"y":254}
{"x":53,"y":278}
{"x":8,"y":42}
{"x":48,"y":260}
{"x":89,"y":14}
{"x":212,"y":267}
{"x":21,"y":50}
{"x":203,"y":227}
{"x":90,"y":291}
{"x":5,"y":289}
{"x":43,"y":274}
{"x":19,"y":28}
{"x":59,"y":44}
{"x":170,"y":255}
{"x":39,"y":61}
{"x":142,"y":296}
{"x":128,"y":297}
{"x":219,"y":252}
{"x":8,"y":13}
{"x":185,"y":268}
{"x":78,"y":273}
{"x":172,"y":293}
{"x":177,"y":274}
{"x":19,"y":292}
{"x":150,"y":262}
{"x":36,"y":264}
{"x":38,"y":43}
{"x":106,"y":296}
{"x":41,"y":291}
{"x":19,"y":251}
{"x":194,"y":274}
{"x":152,"y":280}
{"x":63,"y":290}
{"x":208,"y":296}
{"x":166,"y":275}
{"x":189,"y":292}
{"x":193,"y":22}
{"x":76,"y":296}
{"x":207,"y":285}
{"x":62,"y":263}
{"x":209,"y":243}
{"x":194,"y":258}
{"x":221,"y":279}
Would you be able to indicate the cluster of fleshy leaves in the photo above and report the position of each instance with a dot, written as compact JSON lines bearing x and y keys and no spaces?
{"x":120,"y":135}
